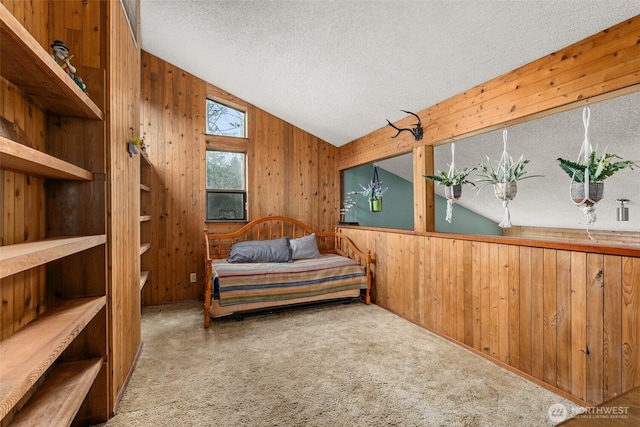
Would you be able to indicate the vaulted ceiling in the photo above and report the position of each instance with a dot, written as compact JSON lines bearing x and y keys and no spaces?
{"x":339,"y":68}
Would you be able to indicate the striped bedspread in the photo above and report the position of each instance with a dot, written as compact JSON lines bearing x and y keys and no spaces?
{"x":237,"y":283}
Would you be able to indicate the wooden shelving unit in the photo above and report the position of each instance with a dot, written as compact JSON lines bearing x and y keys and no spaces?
{"x":146,"y":173}
{"x":22,"y":256}
{"x":27,"y":354}
{"x":37,"y":75}
{"x":54,"y":360}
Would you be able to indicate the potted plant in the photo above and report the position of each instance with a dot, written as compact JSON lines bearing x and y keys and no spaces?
{"x":453,"y":184}
{"x":504,"y":176}
{"x":373,"y":192}
{"x":597,"y":169}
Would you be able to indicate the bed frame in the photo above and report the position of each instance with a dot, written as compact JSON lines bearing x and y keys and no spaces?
{"x":218,"y":246}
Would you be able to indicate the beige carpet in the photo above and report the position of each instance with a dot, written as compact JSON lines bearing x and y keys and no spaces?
{"x":335,"y":365}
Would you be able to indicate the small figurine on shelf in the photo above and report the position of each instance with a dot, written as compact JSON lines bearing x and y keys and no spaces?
{"x":63,"y":58}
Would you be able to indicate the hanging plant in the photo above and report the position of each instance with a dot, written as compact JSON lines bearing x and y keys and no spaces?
{"x":374,"y":191}
{"x":453,"y":182}
{"x":589,"y":172}
{"x":504,"y":178}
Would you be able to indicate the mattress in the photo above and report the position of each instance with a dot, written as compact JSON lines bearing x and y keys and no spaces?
{"x":242,"y":283}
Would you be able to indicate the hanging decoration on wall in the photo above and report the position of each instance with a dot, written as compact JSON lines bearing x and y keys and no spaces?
{"x":504,"y":178}
{"x":374,"y":191}
{"x":589,"y":172}
{"x":453,"y":181}
{"x":416,"y":131}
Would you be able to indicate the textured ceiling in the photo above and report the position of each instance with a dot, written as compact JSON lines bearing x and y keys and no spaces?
{"x":338,"y":69}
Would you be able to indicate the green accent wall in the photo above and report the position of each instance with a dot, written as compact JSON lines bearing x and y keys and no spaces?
{"x":397,"y":202}
{"x":397,"y":206}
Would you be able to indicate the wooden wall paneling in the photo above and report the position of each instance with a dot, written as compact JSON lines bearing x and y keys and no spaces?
{"x":468,"y":288}
{"x":123,"y":173}
{"x":578,"y":286}
{"x":494,"y":301}
{"x":552,"y":316}
{"x":612,"y":322}
{"x":558,"y":319}
{"x":444,"y":290}
{"x":563,"y":301}
{"x":525,"y":328}
{"x":485,"y":299}
{"x":503,"y":303}
{"x":513,"y":304}
{"x":595,"y":328}
{"x":630,"y":323}
{"x":276,"y":154}
{"x":476,"y":307}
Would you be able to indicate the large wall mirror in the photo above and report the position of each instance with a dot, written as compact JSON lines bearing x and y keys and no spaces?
{"x":541,"y":203}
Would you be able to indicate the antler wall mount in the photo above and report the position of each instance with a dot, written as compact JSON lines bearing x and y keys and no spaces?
{"x":416,"y":131}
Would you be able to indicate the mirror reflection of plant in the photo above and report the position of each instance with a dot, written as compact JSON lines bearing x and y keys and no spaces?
{"x":509,"y":171}
{"x":460,"y":178}
{"x":600,"y":168}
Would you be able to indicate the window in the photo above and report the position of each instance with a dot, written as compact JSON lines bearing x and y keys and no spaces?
{"x":225,"y":121}
{"x":226,"y":186}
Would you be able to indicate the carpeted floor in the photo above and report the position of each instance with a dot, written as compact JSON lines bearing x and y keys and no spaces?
{"x":332,"y":365}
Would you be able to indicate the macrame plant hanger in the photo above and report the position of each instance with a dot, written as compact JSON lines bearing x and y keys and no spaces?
{"x":502,"y":166}
{"x":586,"y":204}
{"x":451,"y":174}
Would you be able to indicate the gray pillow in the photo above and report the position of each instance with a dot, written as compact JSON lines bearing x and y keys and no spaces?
{"x":277,"y":250}
{"x":304,"y":247}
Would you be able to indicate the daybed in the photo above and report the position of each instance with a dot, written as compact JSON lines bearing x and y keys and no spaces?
{"x":279,"y":261}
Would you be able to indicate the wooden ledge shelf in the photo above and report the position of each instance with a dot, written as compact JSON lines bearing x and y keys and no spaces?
{"x":144,"y":247}
{"x":144,"y":276}
{"x":58,"y":400}
{"x":20,"y":158}
{"x":23,"y":256}
{"x":144,"y":187}
{"x":33,"y":70}
{"x":144,"y":218}
{"x":28,"y":353}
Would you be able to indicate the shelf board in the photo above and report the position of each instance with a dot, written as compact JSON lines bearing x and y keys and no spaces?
{"x":27,"y":354}
{"x":144,"y":275}
{"x":144,"y":247}
{"x":144,"y":218}
{"x":145,"y":187}
{"x":23,"y":256}
{"x":58,"y":400}
{"x":33,"y":70}
{"x":20,"y":158}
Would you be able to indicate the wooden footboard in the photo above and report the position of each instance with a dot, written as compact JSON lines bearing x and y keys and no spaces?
{"x":218,"y":246}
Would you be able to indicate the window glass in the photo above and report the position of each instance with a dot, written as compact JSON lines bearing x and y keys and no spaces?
{"x":226,"y":186}
{"x":224,"y":120}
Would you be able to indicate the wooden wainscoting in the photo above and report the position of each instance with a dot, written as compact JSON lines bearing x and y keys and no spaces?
{"x":565,"y":316}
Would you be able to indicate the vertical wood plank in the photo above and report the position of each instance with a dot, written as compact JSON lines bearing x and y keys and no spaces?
{"x":595,"y":329}
{"x":526,"y":314}
{"x":564,"y":349}
{"x":612,"y":339}
{"x":551,"y":319}
{"x":578,"y":324}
